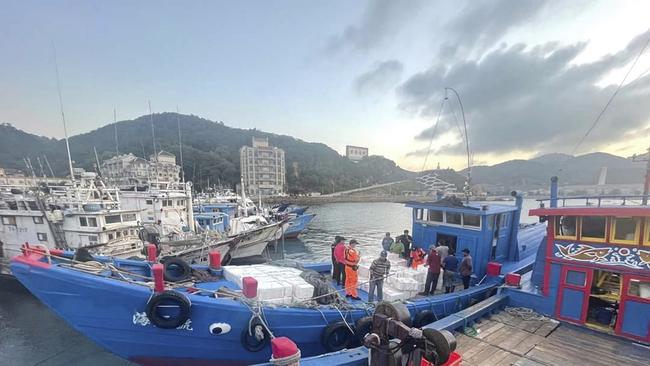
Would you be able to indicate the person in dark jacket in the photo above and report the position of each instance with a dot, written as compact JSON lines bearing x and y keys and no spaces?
{"x":334,"y":262}
{"x":433,"y":262}
{"x":466,"y":268}
{"x":406,"y":240}
{"x":450,"y":265}
{"x":386,"y":242}
{"x":379,"y":269}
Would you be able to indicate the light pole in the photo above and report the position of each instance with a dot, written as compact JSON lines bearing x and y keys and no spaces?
{"x":469,"y":166}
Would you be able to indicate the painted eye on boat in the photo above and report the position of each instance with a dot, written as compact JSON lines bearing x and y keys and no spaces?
{"x":219,"y":328}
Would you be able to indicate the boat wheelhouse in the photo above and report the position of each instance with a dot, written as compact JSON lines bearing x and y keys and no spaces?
{"x":594,"y":268}
{"x":491,"y":232}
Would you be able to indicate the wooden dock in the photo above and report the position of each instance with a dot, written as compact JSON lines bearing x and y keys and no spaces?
{"x":505,"y":339}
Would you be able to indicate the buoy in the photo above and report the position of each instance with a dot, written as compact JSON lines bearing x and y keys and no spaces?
{"x":158,"y":274}
{"x":284,"y":352}
{"x":215,"y":260}
{"x":249,"y":287}
{"x":151,"y":252}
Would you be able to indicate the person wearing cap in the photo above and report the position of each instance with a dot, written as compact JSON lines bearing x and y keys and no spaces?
{"x":337,"y":238}
{"x":442,"y":249}
{"x":406,"y":240}
{"x":339,"y":256}
{"x":450,"y":265}
{"x":433,"y":273}
{"x":351,"y":260}
{"x":386,"y":242}
{"x":466,"y":268}
{"x":379,"y":269}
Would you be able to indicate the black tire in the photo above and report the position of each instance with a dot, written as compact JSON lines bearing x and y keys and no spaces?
{"x":337,"y":336}
{"x":250,"y":342}
{"x":168,"y":297}
{"x":423,"y":318}
{"x":444,"y":343}
{"x":397,"y":311}
{"x":176,"y":269}
{"x":362,"y":327}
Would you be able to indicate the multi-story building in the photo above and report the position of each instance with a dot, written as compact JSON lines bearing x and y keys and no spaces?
{"x":262,"y":168}
{"x":356,"y":153}
{"x":130,"y":170}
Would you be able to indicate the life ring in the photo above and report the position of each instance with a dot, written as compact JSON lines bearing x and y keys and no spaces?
{"x":168,"y":298}
{"x":255,"y":337}
{"x":362,"y":327}
{"x":176,"y":269}
{"x":423,"y":318}
{"x":336,"y":336}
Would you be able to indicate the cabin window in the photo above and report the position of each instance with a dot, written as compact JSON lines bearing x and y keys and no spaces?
{"x":576,"y":278}
{"x":41,"y":236}
{"x":83,"y":221}
{"x":32,"y":205}
{"x":503,"y":222}
{"x":92,"y":221}
{"x":625,"y":230}
{"x":565,"y":227}
{"x":118,"y":234}
{"x":38,"y":219}
{"x":454,"y":218}
{"x":92,"y":239}
{"x":110,"y":236}
{"x":22,"y":205}
{"x":113,"y":219}
{"x":471,"y":220}
{"x":435,"y":215}
{"x":149,"y":202}
{"x":179,"y":203}
{"x":490,"y":222}
{"x":593,"y":228}
{"x":128,"y":217}
{"x":419,"y":214}
{"x":639,"y":288}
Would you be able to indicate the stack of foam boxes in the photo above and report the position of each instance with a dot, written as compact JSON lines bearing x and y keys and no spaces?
{"x":275,"y":285}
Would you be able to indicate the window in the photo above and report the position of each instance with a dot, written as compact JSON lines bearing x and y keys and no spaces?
{"x":503,"y":221}
{"x":490,"y":222}
{"x":625,"y":230}
{"x":471,"y":220}
{"x":149,"y":202}
{"x":639,"y":288}
{"x":83,"y":221}
{"x":38,"y":219}
{"x":113,"y":219}
{"x":179,"y":203}
{"x":110,"y":236}
{"x":92,"y":221}
{"x":32,"y":205}
{"x":128,"y":217}
{"x":92,"y":239}
{"x":565,"y":227}
{"x":593,"y":228}
{"x":419,"y":213}
{"x":9,"y":220}
{"x":118,"y":234}
{"x":576,"y":278}
{"x":435,"y":215}
{"x":454,"y":218}
{"x":41,"y":236}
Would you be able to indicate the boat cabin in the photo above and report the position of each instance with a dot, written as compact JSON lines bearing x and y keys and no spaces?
{"x":594,"y":269}
{"x":489,"y":231}
{"x":213,"y":221}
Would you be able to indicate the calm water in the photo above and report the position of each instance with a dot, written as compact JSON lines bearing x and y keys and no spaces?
{"x":365,"y":222}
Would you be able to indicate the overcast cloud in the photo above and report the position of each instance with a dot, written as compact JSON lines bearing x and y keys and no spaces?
{"x":383,"y":76}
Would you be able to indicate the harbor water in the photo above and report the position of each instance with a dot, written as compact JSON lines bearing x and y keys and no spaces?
{"x":31,"y":334}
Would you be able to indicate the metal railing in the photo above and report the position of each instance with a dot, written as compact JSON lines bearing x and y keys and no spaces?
{"x":599,"y":201}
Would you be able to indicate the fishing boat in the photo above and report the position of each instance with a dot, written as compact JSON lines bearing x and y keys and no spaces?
{"x":297,"y":224}
{"x":226,"y":316}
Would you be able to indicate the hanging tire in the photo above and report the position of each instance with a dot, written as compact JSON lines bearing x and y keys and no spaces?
{"x":337,"y":336}
{"x":176,"y":269}
{"x":168,"y":298}
{"x":362,"y":327}
{"x":258,"y":337}
{"x":423,"y":318}
{"x":442,"y":344}
{"x":396,"y":311}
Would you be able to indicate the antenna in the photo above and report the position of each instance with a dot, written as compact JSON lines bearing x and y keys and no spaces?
{"x":153,"y":137}
{"x":99,"y":169}
{"x":469,"y":163}
{"x":47,"y":162}
{"x":65,"y":128}
{"x":38,"y":160}
{"x":117,"y":145}
{"x":180,"y":144}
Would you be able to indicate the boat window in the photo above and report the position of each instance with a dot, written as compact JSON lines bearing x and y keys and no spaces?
{"x":435,"y":215}
{"x":32,"y":205}
{"x":41,"y":236}
{"x":118,"y":234}
{"x":92,"y":221}
{"x":471,"y":220}
{"x":565,"y":226}
{"x":83,"y":221}
{"x":22,"y":205}
{"x":113,"y":219}
{"x":179,"y":203}
{"x":490,"y":222}
{"x":149,"y":202}
{"x":92,"y":239}
{"x":625,"y":230}
{"x":110,"y":236}
{"x":505,"y":218}
{"x":593,"y":227}
{"x":454,"y":218}
{"x":576,"y":278}
{"x":128,"y":217}
{"x":419,"y":214}
{"x":639,"y":288}
{"x":38,"y":219}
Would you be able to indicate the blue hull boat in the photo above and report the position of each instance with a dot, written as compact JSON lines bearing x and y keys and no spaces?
{"x":297,"y":225}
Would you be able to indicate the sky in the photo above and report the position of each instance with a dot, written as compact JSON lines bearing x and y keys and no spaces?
{"x":532,"y":75}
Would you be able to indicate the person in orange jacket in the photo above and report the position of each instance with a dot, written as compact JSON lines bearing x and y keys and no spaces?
{"x":352,"y":257}
{"x":417,"y":257}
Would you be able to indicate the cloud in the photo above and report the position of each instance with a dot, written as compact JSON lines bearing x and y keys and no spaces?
{"x":381,"y":20}
{"x":531,"y":98}
{"x":383,"y":76}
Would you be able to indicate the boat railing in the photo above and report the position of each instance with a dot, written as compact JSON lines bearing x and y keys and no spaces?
{"x":598,"y":201}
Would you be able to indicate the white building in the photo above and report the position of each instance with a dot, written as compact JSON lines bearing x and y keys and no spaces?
{"x":129,"y":170}
{"x":356,"y":153}
{"x":262,"y":168}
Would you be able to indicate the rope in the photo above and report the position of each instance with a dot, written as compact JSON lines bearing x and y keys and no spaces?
{"x":524,"y":313}
{"x":433,"y":134}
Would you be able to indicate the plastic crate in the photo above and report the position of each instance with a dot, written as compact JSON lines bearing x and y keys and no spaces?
{"x":455,"y":359}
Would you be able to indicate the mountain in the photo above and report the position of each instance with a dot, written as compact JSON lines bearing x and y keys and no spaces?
{"x":210,"y":152}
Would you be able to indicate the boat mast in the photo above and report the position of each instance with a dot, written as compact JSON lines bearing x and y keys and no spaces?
{"x":180,"y":144}
{"x":469,"y":164}
{"x":65,"y":129}
{"x":117,"y":145}
{"x":153,"y":137}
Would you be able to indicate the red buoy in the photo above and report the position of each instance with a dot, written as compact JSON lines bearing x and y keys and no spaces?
{"x":215,"y":259}
{"x":513,"y":279}
{"x":151,"y":252}
{"x":285,"y":352}
{"x":249,"y":287}
{"x":493,"y":269}
{"x":158,"y":277}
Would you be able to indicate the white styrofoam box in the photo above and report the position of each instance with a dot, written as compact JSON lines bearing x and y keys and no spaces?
{"x":419,"y":276}
{"x":279,"y":301}
{"x":271,"y":290}
{"x":302,"y":291}
{"x":390,"y":294}
{"x":392,"y":256}
{"x":404,"y":284}
{"x":364,"y":271}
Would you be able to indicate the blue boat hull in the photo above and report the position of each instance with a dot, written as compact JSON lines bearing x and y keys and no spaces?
{"x":297,"y":225}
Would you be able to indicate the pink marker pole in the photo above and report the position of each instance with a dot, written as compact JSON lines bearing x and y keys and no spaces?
{"x":158,"y":278}
{"x":151,"y":253}
{"x":215,"y":260}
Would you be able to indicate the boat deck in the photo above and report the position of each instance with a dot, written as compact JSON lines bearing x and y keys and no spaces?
{"x":505,"y":339}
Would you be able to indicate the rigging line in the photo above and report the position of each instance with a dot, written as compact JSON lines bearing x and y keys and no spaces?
{"x":433,"y":134}
{"x":611,"y":98}
{"x":460,"y":130}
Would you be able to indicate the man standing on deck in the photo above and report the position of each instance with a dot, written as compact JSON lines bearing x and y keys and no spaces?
{"x":387,"y":242}
{"x":450,"y":265}
{"x":406,"y":240}
{"x":339,"y":256}
{"x":379,"y":269}
{"x":466,"y":268}
{"x":334,"y":262}
{"x":351,"y":266}
{"x":442,"y":249}
{"x":433,"y":262}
